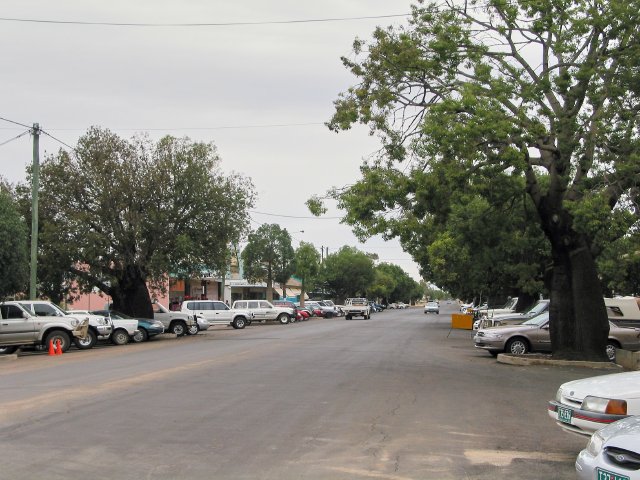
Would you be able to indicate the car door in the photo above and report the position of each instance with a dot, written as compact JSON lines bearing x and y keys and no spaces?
{"x":254,"y":307}
{"x":540,"y":338}
{"x":14,"y":327}
{"x":205,"y":310}
{"x":222,"y":313}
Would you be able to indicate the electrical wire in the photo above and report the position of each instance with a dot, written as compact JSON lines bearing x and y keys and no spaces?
{"x":15,"y":123}
{"x":294,"y":216}
{"x":213,"y":24}
{"x":15,"y":138}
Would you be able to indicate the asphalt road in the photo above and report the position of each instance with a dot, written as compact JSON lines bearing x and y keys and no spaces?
{"x":400,"y":396}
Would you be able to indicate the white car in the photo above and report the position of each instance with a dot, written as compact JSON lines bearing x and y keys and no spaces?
{"x":613,"y":453}
{"x":263,"y":310}
{"x":584,"y":406}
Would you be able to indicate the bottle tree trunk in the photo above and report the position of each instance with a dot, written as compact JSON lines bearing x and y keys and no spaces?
{"x":578,"y":317}
{"x":131,"y":295}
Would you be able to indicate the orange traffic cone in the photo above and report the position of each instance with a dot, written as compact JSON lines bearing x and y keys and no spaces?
{"x":52,"y":350}
{"x":59,"y":349}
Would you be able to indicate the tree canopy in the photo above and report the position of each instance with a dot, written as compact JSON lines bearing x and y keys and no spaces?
{"x":14,"y":258}
{"x":268,"y":256}
{"x":497,"y":100}
{"x":307,"y":267}
{"x":348,"y":272}
{"x":122,"y":214}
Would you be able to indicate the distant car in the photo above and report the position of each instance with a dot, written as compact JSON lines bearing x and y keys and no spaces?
{"x":432,"y":307}
{"x":584,"y":406}
{"x":613,"y":453}
{"x":539,"y":307}
{"x":291,"y":305}
{"x":147,"y":328}
{"x":533,"y":336}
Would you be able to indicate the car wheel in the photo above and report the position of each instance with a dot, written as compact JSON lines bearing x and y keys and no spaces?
{"x":283,"y":318}
{"x":140,"y":336}
{"x":192,"y":329}
{"x":239,"y":323}
{"x":65,"y":341}
{"x":7,"y":350}
{"x":179,"y":328}
{"x":87,"y":342}
{"x":611,"y":350}
{"x":517,"y":346}
{"x":120,"y":337}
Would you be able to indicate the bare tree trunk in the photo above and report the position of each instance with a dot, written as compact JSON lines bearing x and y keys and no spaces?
{"x":578,"y":317}
{"x":131,"y":295}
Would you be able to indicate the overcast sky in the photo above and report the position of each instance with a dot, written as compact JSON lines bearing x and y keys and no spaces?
{"x":260,"y":92}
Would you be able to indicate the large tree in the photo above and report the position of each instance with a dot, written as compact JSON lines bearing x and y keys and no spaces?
{"x":307,"y":267}
{"x":348,"y":272}
{"x":14,"y":259}
{"x":545,"y":91}
{"x":268,"y":256}
{"x":123,"y":214}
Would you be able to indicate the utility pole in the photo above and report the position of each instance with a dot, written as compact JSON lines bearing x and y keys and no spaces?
{"x":35,"y":186}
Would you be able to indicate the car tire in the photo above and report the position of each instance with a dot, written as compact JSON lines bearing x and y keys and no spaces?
{"x":347,"y":317}
{"x":65,"y":340}
{"x":193,"y":329}
{"x":140,"y":336}
{"x":493,"y":353}
{"x":179,"y":328}
{"x":120,"y":337}
{"x":239,"y":323}
{"x":87,"y":342}
{"x":7,"y":350}
{"x":283,"y":318}
{"x":517,"y":346}
{"x":611,"y":350}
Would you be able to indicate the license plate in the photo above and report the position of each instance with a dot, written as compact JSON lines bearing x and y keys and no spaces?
{"x":565,"y":414}
{"x":606,"y":475}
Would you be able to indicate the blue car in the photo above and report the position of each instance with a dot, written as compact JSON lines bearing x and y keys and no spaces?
{"x":147,"y":328}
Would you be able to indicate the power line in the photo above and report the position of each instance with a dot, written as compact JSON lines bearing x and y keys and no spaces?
{"x":58,"y":140}
{"x":294,"y":216}
{"x":15,"y":123}
{"x":222,"y":127}
{"x":212,"y":24}
{"x":15,"y":138}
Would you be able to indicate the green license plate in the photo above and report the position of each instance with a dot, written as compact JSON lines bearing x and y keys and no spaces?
{"x":606,"y":475}
{"x":565,"y":414}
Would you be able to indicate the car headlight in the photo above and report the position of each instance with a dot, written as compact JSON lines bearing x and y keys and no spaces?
{"x":595,"y":444}
{"x":74,"y":322}
{"x":559,"y":395}
{"x":605,"y":405}
{"x":158,"y":324}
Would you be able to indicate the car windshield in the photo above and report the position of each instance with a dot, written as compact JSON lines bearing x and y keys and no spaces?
{"x":537,"y":308}
{"x":538,"y":320}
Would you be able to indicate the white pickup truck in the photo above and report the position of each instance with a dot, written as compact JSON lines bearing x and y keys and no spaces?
{"x":179,"y":323}
{"x":356,"y":307}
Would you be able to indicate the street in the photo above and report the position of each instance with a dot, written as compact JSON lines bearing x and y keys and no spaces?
{"x":398,"y":397}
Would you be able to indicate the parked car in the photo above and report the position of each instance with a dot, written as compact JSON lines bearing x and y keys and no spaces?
{"x":288,"y":304}
{"x":533,"y":336}
{"x":263,"y":311}
{"x":124,"y":329}
{"x":613,"y":453}
{"x":99,"y":326}
{"x":357,"y":307}
{"x":21,"y":328}
{"x":584,"y":406}
{"x":147,"y":328}
{"x":174,"y":322}
{"x":432,"y":307}
{"x":216,"y":312}
{"x":539,"y":307}
{"x":623,"y":311}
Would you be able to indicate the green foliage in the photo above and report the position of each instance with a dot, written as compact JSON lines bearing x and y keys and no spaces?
{"x":348,"y":272}
{"x":14,"y":258}
{"x":119,"y":213}
{"x":268,"y":256}
{"x":404,"y":288}
{"x":307,"y":265}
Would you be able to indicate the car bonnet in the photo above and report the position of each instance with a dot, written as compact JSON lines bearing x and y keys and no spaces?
{"x":624,"y":385}
{"x":624,"y":434}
